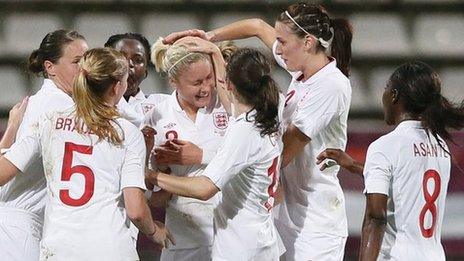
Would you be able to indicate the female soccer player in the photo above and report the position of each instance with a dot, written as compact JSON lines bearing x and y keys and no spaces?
{"x":91,"y":157}
{"x":137,"y":51}
{"x":190,"y":127}
{"x":312,"y":219}
{"x":22,"y":200}
{"x":245,"y":168}
{"x":407,"y":171}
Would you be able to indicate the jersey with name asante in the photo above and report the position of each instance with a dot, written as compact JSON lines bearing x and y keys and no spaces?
{"x":413,"y":170}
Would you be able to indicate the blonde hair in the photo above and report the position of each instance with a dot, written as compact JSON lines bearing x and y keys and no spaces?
{"x":173,"y":59}
{"x":100,"y":69}
{"x":228,"y":48}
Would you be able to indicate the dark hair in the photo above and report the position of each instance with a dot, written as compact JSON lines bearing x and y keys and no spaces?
{"x":134,"y":36}
{"x":315,"y":20}
{"x":249,"y":71}
{"x":51,"y":49}
{"x":419,"y":88}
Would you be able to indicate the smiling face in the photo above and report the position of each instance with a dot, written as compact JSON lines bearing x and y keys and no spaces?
{"x":136,"y":56}
{"x":195,"y":84}
{"x":290,"y":47}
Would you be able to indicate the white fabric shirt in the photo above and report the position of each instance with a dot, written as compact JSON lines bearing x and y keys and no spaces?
{"x":409,"y":167}
{"x":246,"y":170}
{"x":139,"y":105}
{"x":85,"y":218}
{"x":26,"y":192}
{"x":318,"y":107}
{"x":190,"y":221}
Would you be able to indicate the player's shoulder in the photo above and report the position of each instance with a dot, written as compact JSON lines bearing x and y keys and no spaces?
{"x":157,"y":98}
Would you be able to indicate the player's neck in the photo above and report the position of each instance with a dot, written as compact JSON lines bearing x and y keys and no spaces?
{"x":314,"y":64}
{"x":240,"y":108}
{"x":189,"y":109}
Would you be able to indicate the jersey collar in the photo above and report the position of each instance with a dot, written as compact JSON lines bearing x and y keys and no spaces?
{"x":207,"y":109}
{"x":49,"y":86}
{"x":140,"y":96}
{"x":409,"y":124}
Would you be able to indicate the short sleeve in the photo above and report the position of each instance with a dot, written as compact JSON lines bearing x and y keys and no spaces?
{"x":133,"y":169}
{"x":377,"y":170}
{"x":234,"y":156}
{"x":26,"y":149}
{"x":315,"y":111}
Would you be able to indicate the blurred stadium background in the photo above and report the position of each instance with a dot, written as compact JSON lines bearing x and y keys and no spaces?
{"x":386,"y":34}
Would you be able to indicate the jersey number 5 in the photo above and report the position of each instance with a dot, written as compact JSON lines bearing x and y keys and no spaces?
{"x":67,"y":171}
{"x":429,"y":202}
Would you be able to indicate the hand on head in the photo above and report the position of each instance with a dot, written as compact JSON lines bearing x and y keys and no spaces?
{"x":17,"y":112}
{"x":173,"y":37}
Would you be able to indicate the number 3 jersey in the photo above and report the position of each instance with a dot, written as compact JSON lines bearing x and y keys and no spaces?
{"x":412,"y":169}
{"x":85,"y":217}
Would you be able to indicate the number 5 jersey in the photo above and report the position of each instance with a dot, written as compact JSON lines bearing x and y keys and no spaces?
{"x":412,"y":169}
{"x":85,"y":218}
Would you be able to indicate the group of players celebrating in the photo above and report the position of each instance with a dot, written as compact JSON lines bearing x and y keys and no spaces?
{"x":242,"y":171}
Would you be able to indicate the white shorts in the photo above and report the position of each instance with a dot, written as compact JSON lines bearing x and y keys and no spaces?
{"x":190,"y":254}
{"x":20,"y":233}
{"x":314,"y":246}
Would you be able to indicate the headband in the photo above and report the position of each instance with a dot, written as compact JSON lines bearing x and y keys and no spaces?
{"x":323,"y":42}
{"x":178,"y":61}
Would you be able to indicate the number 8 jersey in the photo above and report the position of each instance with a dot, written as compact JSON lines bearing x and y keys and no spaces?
{"x":85,"y":218}
{"x":413,"y":170}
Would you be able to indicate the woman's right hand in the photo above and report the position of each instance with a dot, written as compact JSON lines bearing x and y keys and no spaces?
{"x":173,"y":37}
{"x":17,"y":113}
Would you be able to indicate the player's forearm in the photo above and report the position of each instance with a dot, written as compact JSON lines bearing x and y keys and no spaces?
{"x":356,"y":168}
{"x":137,"y":210}
{"x":192,"y":187}
{"x":371,"y":238}
{"x":221,"y":88}
{"x":244,"y":29}
{"x":7,"y":170}
{"x":8,"y":137}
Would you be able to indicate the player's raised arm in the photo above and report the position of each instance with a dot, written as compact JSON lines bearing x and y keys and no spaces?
{"x":238,"y":30}
{"x":14,"y":121}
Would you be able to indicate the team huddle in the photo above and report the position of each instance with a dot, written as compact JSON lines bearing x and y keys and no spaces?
{"x":238,"y":169}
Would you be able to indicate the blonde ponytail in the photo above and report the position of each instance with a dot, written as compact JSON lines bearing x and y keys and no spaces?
{"x":100,"y":70}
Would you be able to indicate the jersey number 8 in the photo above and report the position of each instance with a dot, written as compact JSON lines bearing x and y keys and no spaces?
{"x":68,"y":170}
{"x":429,"y":202}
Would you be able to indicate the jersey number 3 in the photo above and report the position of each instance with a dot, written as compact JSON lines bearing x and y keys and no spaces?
{"x":68,"y":170}
{"x":429,"y":202}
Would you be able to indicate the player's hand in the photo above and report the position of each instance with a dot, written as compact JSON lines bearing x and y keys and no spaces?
{"x":173,"y":37}
{"x":17,"y":113}
{"x":178,"y":152}
{"x":151,"y":176}
{"x":161,"y":235}
{"x":338,"y":156}
{"x":196,"y":44}
{"x":149,"y":137}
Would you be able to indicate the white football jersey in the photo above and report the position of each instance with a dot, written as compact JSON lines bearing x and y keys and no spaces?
{"x":26,"y":191}
{"x":246,"y":170}
{"x":190,"y":221}
{"x":85,"y":218}
{"x":413,"y":171}
{"x":318,"y":107}
{"x":139,"y":105}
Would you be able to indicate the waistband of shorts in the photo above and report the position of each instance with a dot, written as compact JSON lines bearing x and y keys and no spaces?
{"x":15,"y":215}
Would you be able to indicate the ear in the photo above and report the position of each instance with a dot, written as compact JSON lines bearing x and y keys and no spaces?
{"x":308,"y":42}
{"x":395,"y":96}
{"x":146,"y":74}
{"x":49,"y":68}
